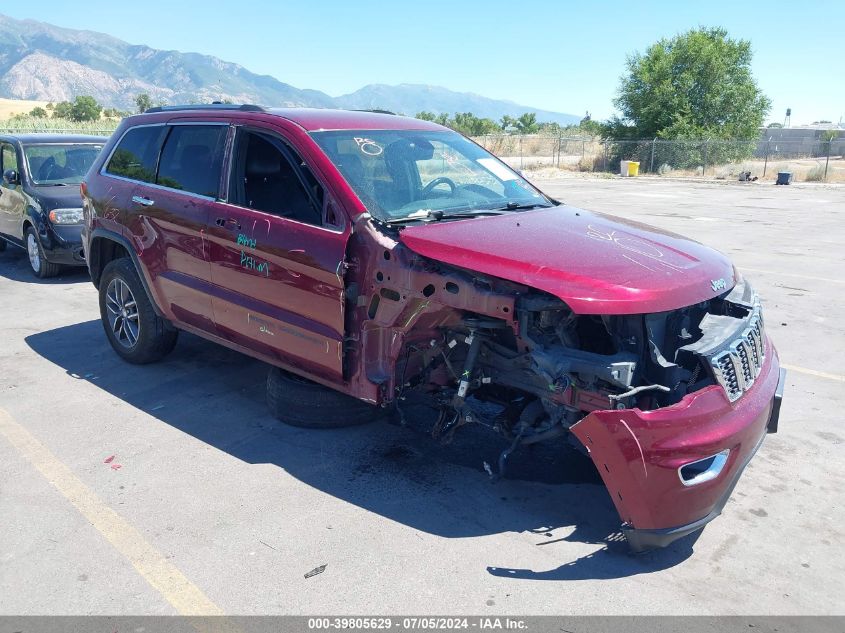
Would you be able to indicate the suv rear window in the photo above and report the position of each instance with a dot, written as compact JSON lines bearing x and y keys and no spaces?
{"x":136,"y":154}
{"x":192,"y":158}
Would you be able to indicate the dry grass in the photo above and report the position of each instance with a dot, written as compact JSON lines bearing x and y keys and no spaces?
{"x":11,"y":107}
{"x":803,"y":169}
{"x":801,"y":172}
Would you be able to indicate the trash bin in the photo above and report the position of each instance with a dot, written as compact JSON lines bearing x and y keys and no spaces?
{"x":629,"y":168}
{"x":784,"y":178}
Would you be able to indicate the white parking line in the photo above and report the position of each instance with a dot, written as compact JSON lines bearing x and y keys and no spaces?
{"x":160,"y":573}
{"x":813,"y":372}
{"x":780,"y":274}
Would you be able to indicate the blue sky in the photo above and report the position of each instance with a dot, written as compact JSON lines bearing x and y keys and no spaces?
{"x":563,"y":56}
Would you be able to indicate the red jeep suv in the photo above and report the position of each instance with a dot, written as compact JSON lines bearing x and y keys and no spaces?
{"x":368,"y":257}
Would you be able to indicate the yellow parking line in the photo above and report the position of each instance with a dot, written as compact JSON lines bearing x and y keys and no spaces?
{"x":813,"y":372}
{"x":162,"y":575}
{"x":780,"y":274}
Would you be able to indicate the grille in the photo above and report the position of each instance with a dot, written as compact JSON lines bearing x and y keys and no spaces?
{"x":737,"y":367}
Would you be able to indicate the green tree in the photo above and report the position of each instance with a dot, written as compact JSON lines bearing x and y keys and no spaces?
{"x":85,"y":108}
{"x":507,"y":123}
{"x":144,"y":102}
{"x":425,"y":116}
{"x":38,"y":112}
{"x":62,"y":110}
{"x":470,"y":125}
{"x":527,"y":123}
{"x":696,"y":85}
{"x":591,"y":127}
{"x":774,"y":126}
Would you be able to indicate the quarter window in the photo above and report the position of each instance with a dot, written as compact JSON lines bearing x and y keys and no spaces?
{"x":135,"y":156}
{"x":192,"y":158}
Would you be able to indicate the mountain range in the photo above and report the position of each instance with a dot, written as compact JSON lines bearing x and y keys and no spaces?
{"x":50,"y":63}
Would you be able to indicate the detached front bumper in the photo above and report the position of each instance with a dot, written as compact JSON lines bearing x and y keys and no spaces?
{"x":639,"y":455}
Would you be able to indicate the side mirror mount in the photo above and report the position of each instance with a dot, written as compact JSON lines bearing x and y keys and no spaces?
{"x":11,"y":177}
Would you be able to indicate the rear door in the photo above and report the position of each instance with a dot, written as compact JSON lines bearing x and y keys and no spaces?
{"x":168,"y":213}
{"x":277,"y":250}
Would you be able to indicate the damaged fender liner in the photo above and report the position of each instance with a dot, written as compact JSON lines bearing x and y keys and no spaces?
{"x":638,"y":454}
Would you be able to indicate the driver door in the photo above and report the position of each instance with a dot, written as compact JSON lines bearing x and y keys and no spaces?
{"x":277,"y":249}
{"x":12,"y":201}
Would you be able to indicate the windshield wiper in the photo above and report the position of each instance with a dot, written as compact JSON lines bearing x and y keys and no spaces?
{"x":516,"y":206}
{"x":436,"y":215}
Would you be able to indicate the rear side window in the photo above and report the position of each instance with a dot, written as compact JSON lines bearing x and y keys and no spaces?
{"x":192,"y":158}
{"x":136,"y":154}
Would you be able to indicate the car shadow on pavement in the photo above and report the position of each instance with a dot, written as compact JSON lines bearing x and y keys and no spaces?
{"x":553,"y":494}
{"x":14,"y":266}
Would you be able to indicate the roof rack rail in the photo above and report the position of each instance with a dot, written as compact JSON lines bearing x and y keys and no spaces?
{"x":245,"y":107}
{"x":375,"y":111}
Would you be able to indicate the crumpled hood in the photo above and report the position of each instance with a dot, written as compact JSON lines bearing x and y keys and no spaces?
{"x":597,"y":264}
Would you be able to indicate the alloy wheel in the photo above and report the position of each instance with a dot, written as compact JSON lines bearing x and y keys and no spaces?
{"x":122,"y":313}
{"x":34,"y":252}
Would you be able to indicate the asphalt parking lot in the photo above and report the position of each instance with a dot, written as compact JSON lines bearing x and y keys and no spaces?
{"x":168,"y":488}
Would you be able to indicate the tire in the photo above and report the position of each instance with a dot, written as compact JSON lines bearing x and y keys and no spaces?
{"x":135,"y":331}
{"x":39,"y":265}
{"x":300,"y":402}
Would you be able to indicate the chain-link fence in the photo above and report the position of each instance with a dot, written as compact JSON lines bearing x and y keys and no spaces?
{"x":808,"y":159}
{"x":533,"y":151}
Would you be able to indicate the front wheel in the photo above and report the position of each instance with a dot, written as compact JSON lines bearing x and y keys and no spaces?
{"x":41,"y":268}
{"x":135,"y":331}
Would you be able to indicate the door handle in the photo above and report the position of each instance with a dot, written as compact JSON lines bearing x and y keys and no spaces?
{"x":146,"y":202}
{"x":230,"y":223}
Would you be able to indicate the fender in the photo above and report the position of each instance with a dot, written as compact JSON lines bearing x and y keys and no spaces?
{"x":118,"y":239}
{"x":35,"y":217}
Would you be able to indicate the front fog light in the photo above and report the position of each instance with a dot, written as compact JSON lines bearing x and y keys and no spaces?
{"x":702,"y":470}
{"x":66,"y":216}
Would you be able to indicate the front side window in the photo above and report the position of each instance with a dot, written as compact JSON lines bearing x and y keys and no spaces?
{"x":137,"y":153}
{"x":192,"y":158}
{"x":269,"y":176}
{"x":8,"y":158}
{"x":60,"y":164}
{"x":403,"y":174}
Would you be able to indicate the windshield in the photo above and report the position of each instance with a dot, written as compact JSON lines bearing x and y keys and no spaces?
{"x":59,"y":164}
{"x":401,"y":174}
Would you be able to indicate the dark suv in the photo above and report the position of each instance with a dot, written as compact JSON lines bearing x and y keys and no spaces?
{"x":372,"y":258}
{"x":40,"y":207}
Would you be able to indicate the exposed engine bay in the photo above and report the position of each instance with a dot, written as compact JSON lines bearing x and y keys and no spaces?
{"x":461,"y":339}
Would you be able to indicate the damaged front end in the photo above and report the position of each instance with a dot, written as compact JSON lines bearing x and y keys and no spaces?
{"x":670,"y":406}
